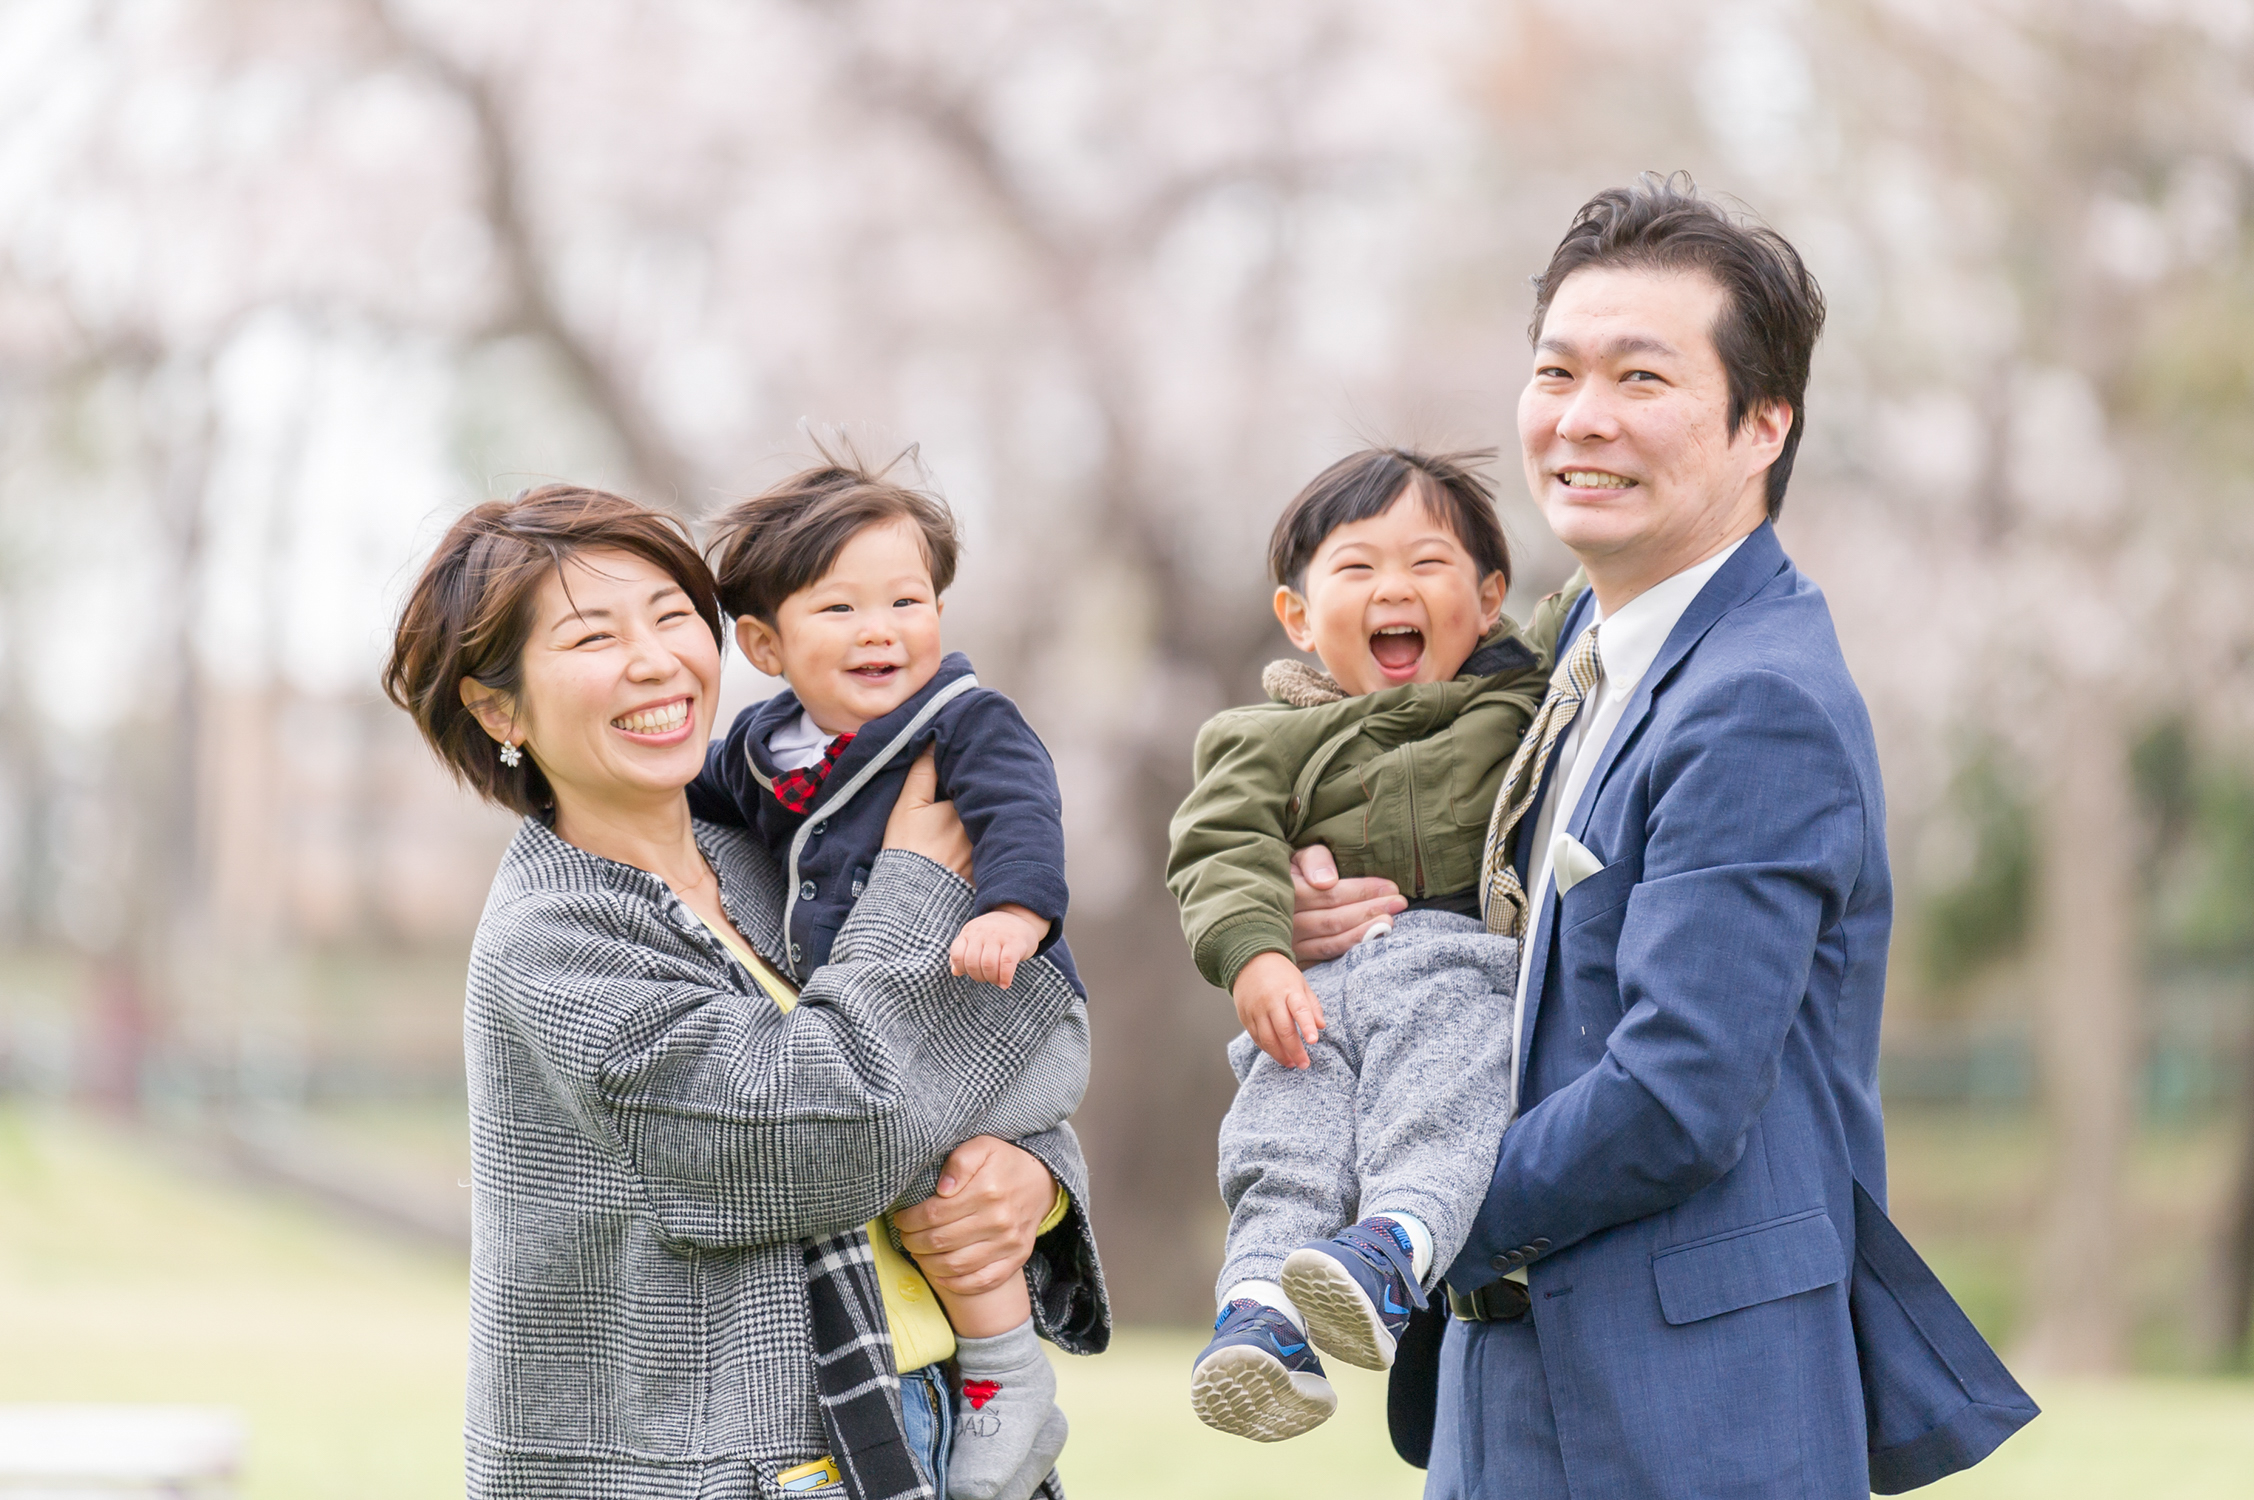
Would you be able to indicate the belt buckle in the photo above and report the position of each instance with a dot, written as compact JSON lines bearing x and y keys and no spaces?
{"x":1497,"y":1302}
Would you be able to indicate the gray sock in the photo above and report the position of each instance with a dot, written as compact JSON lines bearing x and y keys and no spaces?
{"x":1005,"y":1416}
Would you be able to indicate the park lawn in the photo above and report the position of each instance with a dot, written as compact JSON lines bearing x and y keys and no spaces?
{"x":1133,"y":1436}
{"x":127,"y":1276}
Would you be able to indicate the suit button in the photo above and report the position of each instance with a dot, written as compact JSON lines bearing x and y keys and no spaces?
{"x":1502,"y":1262}
{"x":1541,"y":1246}
{"x":806,"y":890}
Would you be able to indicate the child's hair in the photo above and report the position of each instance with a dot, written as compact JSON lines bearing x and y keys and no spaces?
{"x":1366,"y":484}
{"x":767,"y":548}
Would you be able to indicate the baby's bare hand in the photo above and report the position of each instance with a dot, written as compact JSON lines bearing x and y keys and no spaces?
{"x":1277,"y":1008}
{"x":990,"y":947}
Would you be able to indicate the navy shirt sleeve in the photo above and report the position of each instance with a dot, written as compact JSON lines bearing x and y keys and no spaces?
{"x":724,"y":791}
{"x":1004,"y":787}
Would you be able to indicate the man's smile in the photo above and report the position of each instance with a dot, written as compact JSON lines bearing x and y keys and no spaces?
{"x":1592,"y":479}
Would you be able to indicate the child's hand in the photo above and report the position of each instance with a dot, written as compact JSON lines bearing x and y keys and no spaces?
{"x":990,"y":947}
{"x":1277,"y":1008}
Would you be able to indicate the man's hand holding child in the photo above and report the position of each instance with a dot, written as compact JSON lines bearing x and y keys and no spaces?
{"x":1277,"y":1008}
{"x":991,"y":946}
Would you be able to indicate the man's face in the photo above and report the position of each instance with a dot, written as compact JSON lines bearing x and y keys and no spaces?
{"x":1625,"y":425}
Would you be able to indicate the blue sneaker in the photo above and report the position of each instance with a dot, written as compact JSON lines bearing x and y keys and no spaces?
{"x":1356,"y":1292}
{"x":1258,"y":1379}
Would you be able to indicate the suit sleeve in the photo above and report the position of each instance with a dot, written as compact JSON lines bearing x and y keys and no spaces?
{"x":1753,"y":842}
{"x":719,"y":794}
{"x":998,"y":774}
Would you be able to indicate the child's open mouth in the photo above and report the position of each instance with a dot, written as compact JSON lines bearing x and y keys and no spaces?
{"x":658,"y":721}
{"x":1398,"y":649}
{"x":876,"y":672}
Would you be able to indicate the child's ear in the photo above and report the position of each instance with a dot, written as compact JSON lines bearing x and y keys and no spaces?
{"x":1492,"y":588}
{"x":494,"y":710}
{"x":761,"y":646}
{"x":1291,"y":613}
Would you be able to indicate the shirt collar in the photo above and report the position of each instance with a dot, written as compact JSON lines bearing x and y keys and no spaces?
{"x":1628,"y":642}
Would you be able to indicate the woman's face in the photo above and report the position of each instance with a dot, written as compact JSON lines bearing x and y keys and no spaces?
{"x":620,"y":680}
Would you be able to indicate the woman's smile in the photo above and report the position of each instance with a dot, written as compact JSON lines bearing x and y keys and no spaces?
{"x":662,"y":723}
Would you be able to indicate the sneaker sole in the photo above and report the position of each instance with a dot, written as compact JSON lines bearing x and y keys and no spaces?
{"x":1246,"y":1393}
{"x":1339,"y":1317}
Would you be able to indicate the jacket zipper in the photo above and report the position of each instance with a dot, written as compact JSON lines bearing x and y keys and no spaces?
{"x":939,"y":700}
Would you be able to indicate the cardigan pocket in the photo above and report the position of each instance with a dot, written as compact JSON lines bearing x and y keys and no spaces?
{"x":1742,"y":1268}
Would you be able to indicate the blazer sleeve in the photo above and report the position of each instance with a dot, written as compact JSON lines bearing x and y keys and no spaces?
{"x":1071,"y":1309}
{"x":998,"y":774}
{"x":1753,"y":841}
{"x":747,"y":1126}
{"x":724,"y":789}
{"x":1228,"y":860}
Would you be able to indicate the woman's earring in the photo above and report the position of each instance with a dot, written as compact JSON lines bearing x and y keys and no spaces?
{"x":511,"y":756}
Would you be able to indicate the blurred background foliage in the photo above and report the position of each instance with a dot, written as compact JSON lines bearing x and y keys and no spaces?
{"x":285,"y":284}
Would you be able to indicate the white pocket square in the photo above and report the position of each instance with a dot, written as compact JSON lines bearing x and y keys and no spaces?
{"x":1571,"y":863}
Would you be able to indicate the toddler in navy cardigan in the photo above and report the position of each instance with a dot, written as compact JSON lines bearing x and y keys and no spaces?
{"x":834,"y":578}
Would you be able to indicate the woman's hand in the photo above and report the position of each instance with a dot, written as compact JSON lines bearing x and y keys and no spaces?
{"x":1329,"y":915}
{"x":977,"y":1230}
{"x":922,"y":825}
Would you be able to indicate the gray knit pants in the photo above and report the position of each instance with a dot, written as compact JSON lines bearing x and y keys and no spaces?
{"x":1402,"y":1106}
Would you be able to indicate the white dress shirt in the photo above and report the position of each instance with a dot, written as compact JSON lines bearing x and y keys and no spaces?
{"x":1627,"y":644}
{"x":798,"y":743}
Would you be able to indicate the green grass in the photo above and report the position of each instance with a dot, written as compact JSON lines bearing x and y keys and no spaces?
{"x":127,"y":1276}
{"x":1133,"y":1436}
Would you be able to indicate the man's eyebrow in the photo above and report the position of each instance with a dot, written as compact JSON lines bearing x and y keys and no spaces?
{"x":1627,"y":343}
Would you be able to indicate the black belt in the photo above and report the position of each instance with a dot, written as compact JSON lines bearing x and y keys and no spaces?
{"x":1497,"y":1302}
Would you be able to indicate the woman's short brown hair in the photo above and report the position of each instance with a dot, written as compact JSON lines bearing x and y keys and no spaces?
{"x":767,"y":548}
{"x":470,"y":613}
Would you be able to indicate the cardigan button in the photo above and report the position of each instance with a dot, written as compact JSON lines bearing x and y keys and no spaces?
{"x":795,"y":955}
{"x":806,"y":890}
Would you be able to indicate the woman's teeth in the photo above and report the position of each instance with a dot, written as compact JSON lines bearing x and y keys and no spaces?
{"x":663,"y":719}
{"x":1590,"y":479}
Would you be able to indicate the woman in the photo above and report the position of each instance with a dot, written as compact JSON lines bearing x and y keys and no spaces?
{"x":674,"y":1154}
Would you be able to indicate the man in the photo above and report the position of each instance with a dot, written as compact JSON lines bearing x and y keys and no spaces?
{"x":1682,"y":1282}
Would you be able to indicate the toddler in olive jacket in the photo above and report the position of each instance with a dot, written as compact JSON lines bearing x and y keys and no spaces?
{"x":1364,"y":1084}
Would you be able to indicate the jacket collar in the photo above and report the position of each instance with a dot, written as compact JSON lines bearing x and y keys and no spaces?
{"x":771,"y":714}
{"x":1750,"y":569}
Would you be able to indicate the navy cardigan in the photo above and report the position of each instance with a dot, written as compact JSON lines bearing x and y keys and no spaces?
{"x":991,"y":765}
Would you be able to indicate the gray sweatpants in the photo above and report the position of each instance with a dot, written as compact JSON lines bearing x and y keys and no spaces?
{"x":1401,"y":1108}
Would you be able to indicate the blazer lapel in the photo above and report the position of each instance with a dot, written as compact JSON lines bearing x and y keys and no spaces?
{"x":1744,"y":575}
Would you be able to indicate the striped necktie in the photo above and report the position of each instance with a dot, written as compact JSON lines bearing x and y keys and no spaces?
{"x":1504,"y":895}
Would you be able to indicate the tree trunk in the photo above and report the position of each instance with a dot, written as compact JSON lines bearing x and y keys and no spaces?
{"x":2087,"y":1040}
{"x":2234,"y":1264}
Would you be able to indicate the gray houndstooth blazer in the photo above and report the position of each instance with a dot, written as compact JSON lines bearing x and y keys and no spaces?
{"x":654,"y":1145}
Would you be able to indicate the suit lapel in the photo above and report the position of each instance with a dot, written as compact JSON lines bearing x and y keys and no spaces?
{"x":1739,"y":579}
{"x":1747,"y":571}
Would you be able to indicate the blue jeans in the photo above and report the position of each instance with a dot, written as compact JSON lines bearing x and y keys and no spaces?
{"x":929,"y":1409}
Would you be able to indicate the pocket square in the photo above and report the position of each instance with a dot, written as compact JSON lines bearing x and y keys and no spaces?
{"x":1571,"y":862}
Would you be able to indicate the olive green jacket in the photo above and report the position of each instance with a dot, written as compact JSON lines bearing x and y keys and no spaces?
{"x":1398,"y":783}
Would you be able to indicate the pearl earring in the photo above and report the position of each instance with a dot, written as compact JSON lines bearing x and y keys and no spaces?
{"x":511,"y":756}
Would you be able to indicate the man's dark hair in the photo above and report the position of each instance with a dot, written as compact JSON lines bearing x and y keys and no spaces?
{"x":1772,"y":308}
{"x":1366,"y":484}
{"x":767,"y":548}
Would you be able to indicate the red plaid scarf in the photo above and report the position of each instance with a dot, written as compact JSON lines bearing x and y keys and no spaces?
{"x":797,"y":789}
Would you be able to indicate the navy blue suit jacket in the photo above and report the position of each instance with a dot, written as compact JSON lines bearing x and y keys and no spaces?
{"x":1696,"y":1178}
